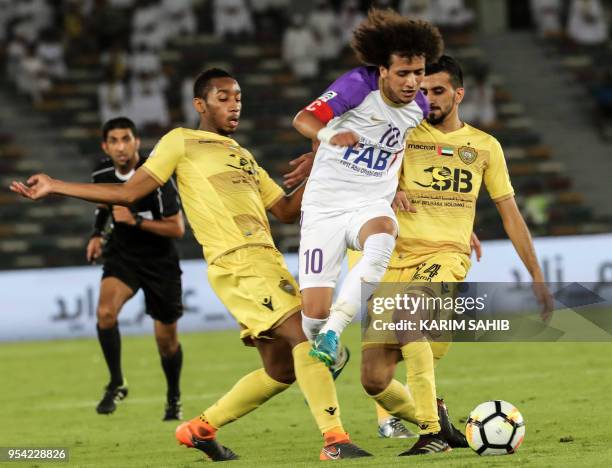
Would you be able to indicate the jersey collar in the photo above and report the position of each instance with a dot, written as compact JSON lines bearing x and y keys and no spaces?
{"x":124,"y":177}
{"x":455,"y":132}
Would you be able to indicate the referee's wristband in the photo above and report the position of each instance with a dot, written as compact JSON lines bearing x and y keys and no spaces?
{"x":326,"y":134}
{"x":139,"y":220}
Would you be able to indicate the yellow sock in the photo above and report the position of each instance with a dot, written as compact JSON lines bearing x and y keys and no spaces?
{"x":250,"y":392}
{"x":421,"y":381}
{"x":381,"y":414}
{"x":439,"y":350}
{"x":318,"y":388}
{"x":397,"y":400}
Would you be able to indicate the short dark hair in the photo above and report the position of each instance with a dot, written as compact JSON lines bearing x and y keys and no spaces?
{"x":449,"y":65}
{"x":386,"y":32}
{"x":118,"y":122}
{"x":201,"y":86}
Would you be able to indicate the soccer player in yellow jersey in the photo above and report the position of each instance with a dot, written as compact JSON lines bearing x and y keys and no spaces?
{"x":445,"y":163}
{"x":226,"y":194}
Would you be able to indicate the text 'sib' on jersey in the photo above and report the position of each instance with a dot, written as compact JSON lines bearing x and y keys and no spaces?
{"x":441,"y":175}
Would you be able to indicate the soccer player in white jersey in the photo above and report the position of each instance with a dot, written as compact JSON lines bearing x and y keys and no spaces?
{"x":361,"y":122}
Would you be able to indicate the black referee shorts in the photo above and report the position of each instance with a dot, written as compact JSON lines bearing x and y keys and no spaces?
{"x":159,"y":278}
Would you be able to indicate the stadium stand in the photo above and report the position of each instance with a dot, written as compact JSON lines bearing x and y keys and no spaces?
{"x":86,"y":73}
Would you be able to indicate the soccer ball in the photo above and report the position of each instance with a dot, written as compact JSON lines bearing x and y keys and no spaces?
{"x":495,"y":428}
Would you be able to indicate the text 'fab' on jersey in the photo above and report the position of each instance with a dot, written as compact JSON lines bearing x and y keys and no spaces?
{"x":344,"y":178}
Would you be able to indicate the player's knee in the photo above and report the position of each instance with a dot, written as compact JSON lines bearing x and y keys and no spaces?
{"x":377,"y":252}
{"x":167,"y":347}
{"x":316,"y":302}
{"x":316,"y":310}
{"x":374,"y":381}
{"x":107,"y":316}
{"x":167,"y":344}
{"x":281,"y":373}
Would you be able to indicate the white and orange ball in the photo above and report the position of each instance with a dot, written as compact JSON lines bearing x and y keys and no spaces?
{"x":495,"y":428}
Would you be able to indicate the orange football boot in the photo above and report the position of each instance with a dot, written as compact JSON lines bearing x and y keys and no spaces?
{"x":338,"y":445}
{"x":200,"y":435}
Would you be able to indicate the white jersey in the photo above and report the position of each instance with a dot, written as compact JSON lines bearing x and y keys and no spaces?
{"x":348,"y":178}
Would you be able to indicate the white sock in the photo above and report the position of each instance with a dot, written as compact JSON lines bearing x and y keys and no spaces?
{"x":340,"y":315}
{"x":312,"y":326}
{"x":361,"y":281}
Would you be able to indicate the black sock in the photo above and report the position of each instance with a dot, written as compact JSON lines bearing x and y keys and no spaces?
{"x":172,"y":368}
{"x":110,"y":341}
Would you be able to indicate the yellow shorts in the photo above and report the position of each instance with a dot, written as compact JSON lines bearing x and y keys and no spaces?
{"x":256,"y":287}
{"x":428,"y":275}
{"x":449,"y":267}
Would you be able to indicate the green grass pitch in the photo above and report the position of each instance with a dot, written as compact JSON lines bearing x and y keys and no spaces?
{"x":49,"y":391}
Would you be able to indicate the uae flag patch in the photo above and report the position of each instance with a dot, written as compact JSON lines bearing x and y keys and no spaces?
{"x":445,"y":150}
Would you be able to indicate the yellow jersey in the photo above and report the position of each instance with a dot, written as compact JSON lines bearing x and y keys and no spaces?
{"x":223,"y":190}
{"x":441,"y":175}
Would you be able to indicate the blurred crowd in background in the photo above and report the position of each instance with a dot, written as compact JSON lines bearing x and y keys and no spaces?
{"x":127,"y":36}
{"x":79,"y":63}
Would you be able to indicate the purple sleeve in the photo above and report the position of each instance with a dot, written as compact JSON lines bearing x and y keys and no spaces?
{"x":422,"y":102}
{"x":348,"y":91}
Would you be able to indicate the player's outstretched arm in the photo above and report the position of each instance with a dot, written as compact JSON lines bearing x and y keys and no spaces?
{"x":518,"y":232}
{"x":40,"y":185}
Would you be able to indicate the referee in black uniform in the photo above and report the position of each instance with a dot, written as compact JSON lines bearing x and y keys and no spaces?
{"x":138,"y":253}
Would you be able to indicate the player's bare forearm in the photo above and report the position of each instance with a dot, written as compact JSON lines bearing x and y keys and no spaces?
{"x":518,"y":232}
{"x":307,"y":124}
{"x":40,"y":185}
{"x":172,"y":226}
{"x":287,"y":209}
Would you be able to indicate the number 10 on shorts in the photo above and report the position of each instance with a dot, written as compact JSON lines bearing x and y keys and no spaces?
{"x":313,"y":261}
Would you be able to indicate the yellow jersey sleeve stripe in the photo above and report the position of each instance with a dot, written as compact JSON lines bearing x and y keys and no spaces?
{"x":501,"y":198}
{"x":275,"y":200}
{"x":153,"y":175}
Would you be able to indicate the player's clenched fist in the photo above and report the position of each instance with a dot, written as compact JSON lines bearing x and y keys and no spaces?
{"x":337,"y":138}
{"x":345,"y":139}
{"x":38,"y":186}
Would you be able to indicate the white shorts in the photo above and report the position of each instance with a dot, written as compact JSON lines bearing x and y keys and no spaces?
{"x":325,"y":237}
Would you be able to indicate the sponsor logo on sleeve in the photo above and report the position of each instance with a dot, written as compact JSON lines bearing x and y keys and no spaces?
{"x":327,"y":96}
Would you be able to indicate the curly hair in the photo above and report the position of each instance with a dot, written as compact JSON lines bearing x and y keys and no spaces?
{"x":386,"y":32}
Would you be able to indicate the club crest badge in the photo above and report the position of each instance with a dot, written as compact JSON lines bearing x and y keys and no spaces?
{"x":468,"y":154}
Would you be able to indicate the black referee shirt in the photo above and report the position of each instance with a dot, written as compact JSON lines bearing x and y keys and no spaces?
{"x":132,"y":241}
